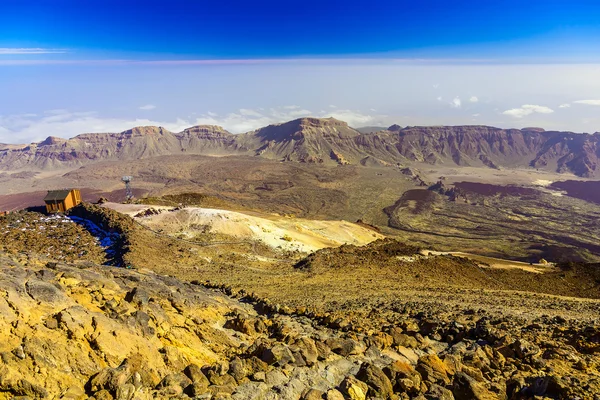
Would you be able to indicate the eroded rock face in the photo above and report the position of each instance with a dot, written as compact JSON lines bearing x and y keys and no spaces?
{"x":62,"y":326}
{"x":110,"y":333}
{"x":325,"y":140}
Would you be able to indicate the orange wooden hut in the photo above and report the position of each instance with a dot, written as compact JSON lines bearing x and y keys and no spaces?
{"x":62,"y":200}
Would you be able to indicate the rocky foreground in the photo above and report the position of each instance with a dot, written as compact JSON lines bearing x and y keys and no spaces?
{"x":85,"y":331}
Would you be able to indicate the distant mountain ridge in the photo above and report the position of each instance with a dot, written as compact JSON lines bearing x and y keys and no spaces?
{"x":326,"y":141}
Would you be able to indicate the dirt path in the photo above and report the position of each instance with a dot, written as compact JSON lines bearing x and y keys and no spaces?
{"x":497,"y":263}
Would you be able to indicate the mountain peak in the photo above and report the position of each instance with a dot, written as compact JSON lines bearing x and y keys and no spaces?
{"x":205,"y":131}
{"x":145,"y":130}
{"x":306,"y":127}
{"x":319,"y":122}
{"x":50,"y":140}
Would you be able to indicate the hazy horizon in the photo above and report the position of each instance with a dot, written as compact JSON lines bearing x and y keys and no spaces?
{"x":180,"y":128}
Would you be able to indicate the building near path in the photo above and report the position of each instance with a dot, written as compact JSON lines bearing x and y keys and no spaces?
{"x":61,"y":200}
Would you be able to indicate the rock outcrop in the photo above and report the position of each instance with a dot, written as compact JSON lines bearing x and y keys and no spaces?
{"x":93,"y":332}
{"x":311,"y":140}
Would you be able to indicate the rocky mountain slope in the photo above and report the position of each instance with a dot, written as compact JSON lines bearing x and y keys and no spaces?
{"x":80,"y":330}
{"x":133,"y":144}
{"x":330,"y":141}
{"x":306,"y":140}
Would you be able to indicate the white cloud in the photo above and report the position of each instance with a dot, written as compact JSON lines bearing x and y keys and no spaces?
{"x":25,"y":128}
{"x":294,"y":113}
{"x":233,"y":122}
{"x":252,"y":119}
{"x":588,"y":102}
{"x":147,"y":107}
{"x":356,"y":87}
{"x":439,"y":98}
{"x":291,"y":107}
{"x":527,"y":109}
{"x":476,"y":115}
{"x":566,"y":105}
{"x":249,"y":113}
{"x":473,"y":99}
{"x":456,"y":103}
{"x":353,"y":118}
{"x":29,"y":50}
{"x":5,"y":133}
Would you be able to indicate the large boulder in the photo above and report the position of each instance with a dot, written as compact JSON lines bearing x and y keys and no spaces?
{"x":379,"y":384}
{"x":404,"y":377}
{"x":467,"y":388}
{"x":44,"y":291}
{"x":354,"y":389}
{"x":433,"y":369}
{"x":346,"y":347}
{"x":307,"y":349}
{"x":278,"y":355}
{"x":437,"y":392}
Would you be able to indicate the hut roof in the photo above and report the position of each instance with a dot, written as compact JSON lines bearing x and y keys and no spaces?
{"x":57,"y":195}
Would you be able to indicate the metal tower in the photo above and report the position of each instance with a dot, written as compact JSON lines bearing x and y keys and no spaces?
{"x":128,"y":192}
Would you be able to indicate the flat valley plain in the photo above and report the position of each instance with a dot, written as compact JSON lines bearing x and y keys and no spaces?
{"x":540,"y":221}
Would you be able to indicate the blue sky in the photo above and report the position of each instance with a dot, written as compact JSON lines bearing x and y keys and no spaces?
{"x":68,"y":67}
{"x":192,"y":29}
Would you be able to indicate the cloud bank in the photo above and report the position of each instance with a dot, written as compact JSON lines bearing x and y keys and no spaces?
{"x":26,"y":128}
{"x":244,"y":97}
{"x":588,"y":102}
{"x":527,"y":109}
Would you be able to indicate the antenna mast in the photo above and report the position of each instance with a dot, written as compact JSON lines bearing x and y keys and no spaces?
{"x":128,"y":192}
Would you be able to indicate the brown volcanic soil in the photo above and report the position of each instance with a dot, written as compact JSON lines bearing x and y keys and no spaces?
{"x":518,"y":223}
{"x":416,"y":200}
{"x":20,"y":201}
{"x":351,"y":283}
{"x":585,"y":190}
{"x":516,"y":227}
{"x":376,"y":294}
{"x":384,"y":271}
{"x":412,"y":269}
{"x":381,"y":264}
{"x":55,"y":237}
{"x":304,"y":190}
{"x":524,"y":227}
{"x":495,"y":190}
